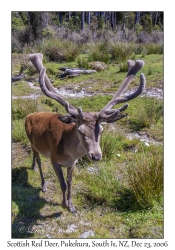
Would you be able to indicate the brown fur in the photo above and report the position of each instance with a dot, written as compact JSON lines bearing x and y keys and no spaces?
{"x":44,"y":129}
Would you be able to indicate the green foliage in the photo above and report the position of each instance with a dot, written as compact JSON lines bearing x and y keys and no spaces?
{"x":82,"y":62}
{"x":150,"y":71}
{"x":31,"y":70}
{"x":123,"y":66}
{"x":120,"y":51}
{"x":60,"y":51}
{"x":98,"y":191}
{"x":145,"y":174}
{"x":154,"y":110}
{"x":17,"y":24}
{"x":18,"y":131}
{"x":138,"y":28}
{"x":48,"y":33}
{"x":157,"y":27}
{"x":149,"y":113}
{"x":154,"y":48}
{"x":99,"y":52}
{"x":129,"y":19}
{"x":21,"y":88}
{"x":21,"y":108}
{"x":113,"y":142}
{"x":139,"y":187}
{"x":146,"y":23}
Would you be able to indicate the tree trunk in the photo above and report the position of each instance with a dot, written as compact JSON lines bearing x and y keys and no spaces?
{"x":89,"y":19}
{"x":60,"y":17}
{"x":82,"y":20}
{"x":137,"y":20}
{"x":156,"y":17}
{"x":112,"y":20}
{"x":44,"y":19}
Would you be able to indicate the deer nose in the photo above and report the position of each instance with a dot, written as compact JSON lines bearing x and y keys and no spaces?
{"x":96,"y":157}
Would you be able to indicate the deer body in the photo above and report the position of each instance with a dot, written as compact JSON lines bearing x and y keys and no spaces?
{"x":66,"y":138}
{"x":53,"y":138}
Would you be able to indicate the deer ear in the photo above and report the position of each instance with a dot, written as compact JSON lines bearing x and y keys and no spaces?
{"x":67,"y":119}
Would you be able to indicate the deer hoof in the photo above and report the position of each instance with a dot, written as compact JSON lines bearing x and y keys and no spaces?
{"x":72,"y":209}
{"x":44,"y":188}
{"x":35,"y":168}
{"x":65,"y":204}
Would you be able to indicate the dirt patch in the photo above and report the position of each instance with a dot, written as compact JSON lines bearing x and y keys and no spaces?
{"x":75,"y":92}
{"x":143,"y":136}
{"x":20,"y":151}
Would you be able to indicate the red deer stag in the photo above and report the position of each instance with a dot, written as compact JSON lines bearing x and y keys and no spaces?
{"x":67,"y":138}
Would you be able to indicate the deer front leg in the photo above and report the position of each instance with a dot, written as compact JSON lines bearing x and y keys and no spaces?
{"x":58,"y":170}
{"x":69,"y":186}
{"x":37,"y":158}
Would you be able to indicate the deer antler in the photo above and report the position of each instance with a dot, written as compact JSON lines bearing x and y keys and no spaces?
{"x":107,"y":113}
{"x":47,"y":87}
{"x":110,"y":115}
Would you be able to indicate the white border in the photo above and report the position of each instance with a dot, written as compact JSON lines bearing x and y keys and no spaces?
{"x":5,"y":94}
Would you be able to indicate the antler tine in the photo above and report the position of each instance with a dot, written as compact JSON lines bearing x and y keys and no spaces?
{"x":133,"y":95}
{"x":131,"y":73}
{"x":131,"y":63}
{"x":46,"y":85}
{"x":69,"y":108}
{"x":108,"y":114}
{"x":36,"y":59}
{"x":133,"y":69}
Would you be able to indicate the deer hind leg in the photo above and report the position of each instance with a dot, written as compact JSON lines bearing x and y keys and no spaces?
{"x":34,"y":162}
{"x":36,"y":158}
{"x":69,"y":193}
{"x":58,"y":170}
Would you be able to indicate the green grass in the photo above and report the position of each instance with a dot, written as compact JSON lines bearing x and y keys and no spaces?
{"x":60,"y":50}
{"x":119,"y":197}
{"x":103,"y":198}
{"x":18,"y":131}
{"x":23,"y":107}
{"x":21,"y":88}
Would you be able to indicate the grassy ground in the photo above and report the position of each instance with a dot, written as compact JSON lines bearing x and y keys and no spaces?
{"x":119,"y":197}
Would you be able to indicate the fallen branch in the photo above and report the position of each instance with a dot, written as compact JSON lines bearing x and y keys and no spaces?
{"x":72,"y":72}
{"x":18,"y":77}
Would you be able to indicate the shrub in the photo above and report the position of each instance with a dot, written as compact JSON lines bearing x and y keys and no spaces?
{"x":153,"y":110}
{"x":99,"y":52}
{"x":26,"y":65}
{"x":18,"y":131}
{"x":149,"y":113}
{"x":110,"y":142}
{"x":17,"y":24}
{"x":120,"y":51}
{"x":138,"y":28}
{"x":113,"y":142}
{"x":145,"y":176}
{"x":60,"y":50}
{"x":154,"y":48}
{"x":21,"y":108}
{"x":16,"y":45}
{"x":123,"y":66}
{"x":82,"y":63}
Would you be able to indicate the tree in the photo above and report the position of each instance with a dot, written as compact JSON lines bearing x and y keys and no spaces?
{"x":82,"y":20}
{"x":89,"y":19}
{"x":146,"y":22}
{"x":137,"y":18}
